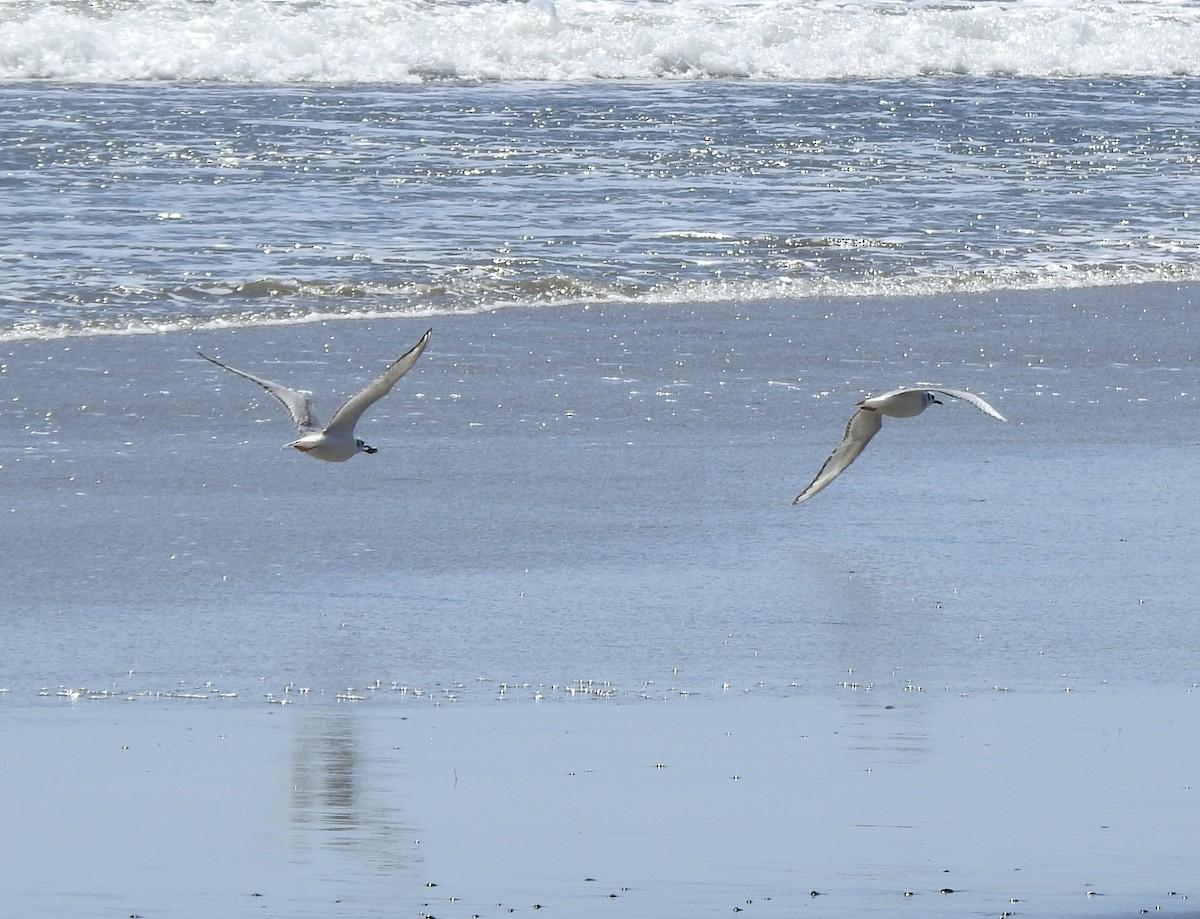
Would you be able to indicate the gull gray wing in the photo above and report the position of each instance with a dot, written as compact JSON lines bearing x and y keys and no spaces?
{"x":298,"y":404}
{"x":862,"y":427}
{"x":971,"y":398}
{"x":897,"y":392}
{"x":346,"y":417}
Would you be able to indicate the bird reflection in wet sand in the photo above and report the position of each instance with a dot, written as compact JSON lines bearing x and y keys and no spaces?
{"x":346,"y":801}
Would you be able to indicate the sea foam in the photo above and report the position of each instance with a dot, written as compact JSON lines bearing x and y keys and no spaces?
{"x":399,"y":41}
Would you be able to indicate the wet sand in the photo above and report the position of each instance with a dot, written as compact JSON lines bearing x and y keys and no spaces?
{"x":565,"y":625}
{"x":1065,"y":805}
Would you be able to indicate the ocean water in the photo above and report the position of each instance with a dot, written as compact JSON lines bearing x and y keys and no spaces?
{"x":392,"y":41}
{"x":563,"y":642}
{"x":175,"y":165}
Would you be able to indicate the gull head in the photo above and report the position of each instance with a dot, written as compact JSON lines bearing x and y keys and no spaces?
{"x":364,"y":448}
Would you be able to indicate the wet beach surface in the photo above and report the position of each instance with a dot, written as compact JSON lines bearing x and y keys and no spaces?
{"x":1025,"y":804}
{"x":565,"y":625}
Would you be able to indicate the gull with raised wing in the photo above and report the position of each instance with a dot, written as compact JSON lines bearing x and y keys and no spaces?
{"x":868,"y":419}
{"x":334,"y":443}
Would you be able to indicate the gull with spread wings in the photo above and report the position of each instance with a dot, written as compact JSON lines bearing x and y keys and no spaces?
{"x":335,"y":442}
{"x":868,"y":419}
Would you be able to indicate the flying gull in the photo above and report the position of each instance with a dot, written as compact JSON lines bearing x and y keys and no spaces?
{"x":335,"y":442}
{"x":868,"y":419}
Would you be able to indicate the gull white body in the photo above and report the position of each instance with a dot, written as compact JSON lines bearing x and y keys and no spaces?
{"x":868,"y":419}
{"x":335,"y":442}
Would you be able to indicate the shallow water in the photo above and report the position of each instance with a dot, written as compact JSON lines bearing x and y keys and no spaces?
{"x":603,"y":494}
{"x":143,"y":207}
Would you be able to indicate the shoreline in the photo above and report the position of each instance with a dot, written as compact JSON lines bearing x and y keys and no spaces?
{"x":953,"y":289}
